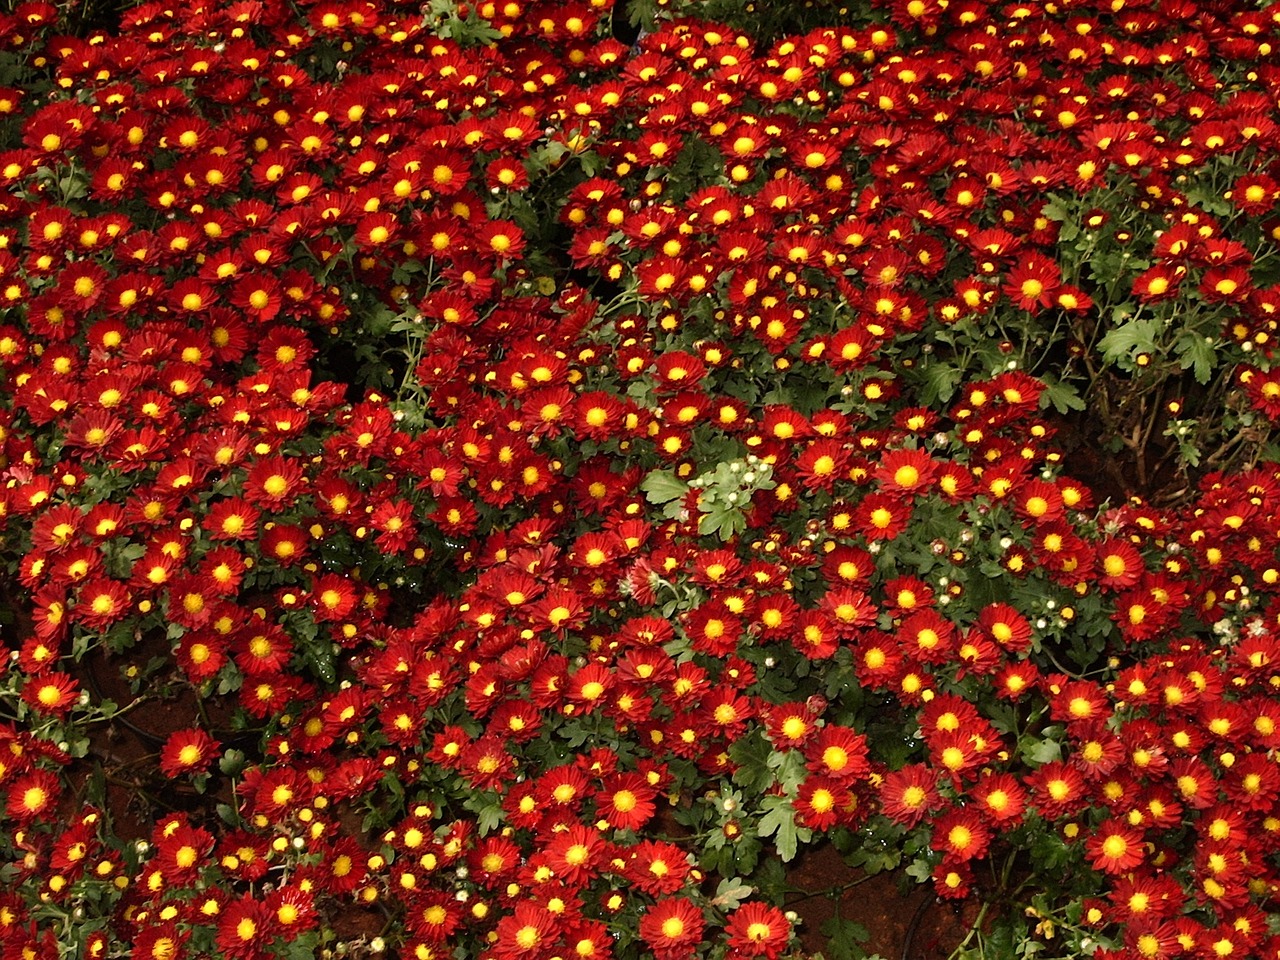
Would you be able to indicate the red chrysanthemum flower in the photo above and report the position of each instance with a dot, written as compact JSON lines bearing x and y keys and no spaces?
{"x":32,"y":794}
{"x":883,"y":515}
{"x":999,"y":797}
{"x":672,"y":928}
{"x":758,"y":930}
{"x":243,"y":928}
{"x":657,"y":867}
{"x":1031,"y":284}
{"x":1056,"y":788}
{"x":822,"y":463}
{"x":627,"y":801}
{"x":200,"y":655}
{"x":1115,"y":847}
{"x":187,"y":751}
{"x":1153,"y":940}
{"x":927,"y":636}
{"x":487,"y":764}
{"x":908,"y":795}
{"x":839,"y":753}
{"x":273,"y":482}
{"x":333,"y":597}
{"x":526,"y":933}
{"x":1005,"y":626}
{"x":433,"y":915}
{"x":577,"y":855}
{"x":291,"y":909}
{"x":815,"y":635}
{"x":848,"y":610}
{"x":907,"y":472}
{"x":821,"y":802}
{"x":182,"y":851}
{"x":1119,"y":564}
{"x":52,"y":693}
{"x":960,"y":835}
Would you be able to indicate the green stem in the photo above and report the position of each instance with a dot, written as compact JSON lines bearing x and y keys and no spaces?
{"x":834,"y":891}
{"x":974,"y":931}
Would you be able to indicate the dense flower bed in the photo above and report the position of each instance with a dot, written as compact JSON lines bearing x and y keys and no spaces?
{"x":572,"y":477}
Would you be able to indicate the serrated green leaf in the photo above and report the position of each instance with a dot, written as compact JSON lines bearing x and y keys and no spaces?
{"x":843,"y":938}
{"x":319,"y":653}
{"x":1124,"y":343}
{"x":663,"y":487}
{"x":487,"y":809}
{"x":919,"y":870}
{"x":723,"y":523}
{"x":779,"y":822}
{"x":1063,"y":397}
{"x":1040,"y":752}
{"x":790,"y":769}
{"x":731,"y":893}
{"x":779,"y":819}
{"x":1055,"y":209}
{"x":303,"y":948}
{"x":751,"y":755}
{"x":940,"y":382}
{"x":1197,"y":354}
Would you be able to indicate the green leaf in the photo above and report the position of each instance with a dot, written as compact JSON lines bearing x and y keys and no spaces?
{"x":1040,"y":752}
{"x":227,"y":814}
{"x":642,"y":13}
{"x":779,"y":822}
{"x":319,"y":653}
{"x":1063,"y":397}
{"x":940,"y":382}
{"x":1197,"y":354}
{"x":487,"y":809}
{"x":592,"y":163}
{"x":1124,"y":343}
{"x":731,"y":892}
{"x":722,"y":522}
{"x":304,"y":947}
{"x":663,"y":487}
{"x":790,"y":768}
{"x":919,"y":870}
{"x":1055,"y":209}
{"x":844,"y":938}
{"x":751,"y":755}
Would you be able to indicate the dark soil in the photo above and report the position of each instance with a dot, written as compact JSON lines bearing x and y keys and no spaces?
{"x":125,"y":752}
{"x":901,"y":919}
